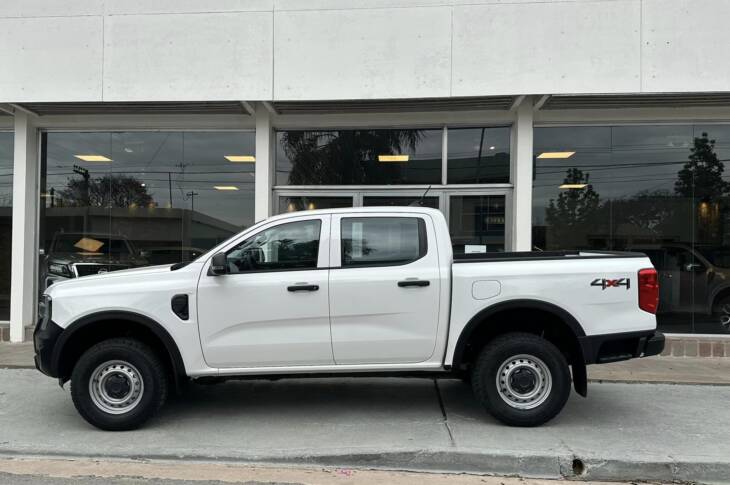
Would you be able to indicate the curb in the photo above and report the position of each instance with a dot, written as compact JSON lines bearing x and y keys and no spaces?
{"x":545,"y":466}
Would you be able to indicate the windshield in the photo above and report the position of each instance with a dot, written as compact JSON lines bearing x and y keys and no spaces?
{"x":91,"y":245}
{"x":717,"y":256}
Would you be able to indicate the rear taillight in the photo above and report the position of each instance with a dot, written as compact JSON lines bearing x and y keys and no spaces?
{"x":648,"y":290}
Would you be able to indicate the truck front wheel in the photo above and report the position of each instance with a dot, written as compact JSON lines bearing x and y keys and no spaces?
{"x":521,"y":379}
{"x":118,"y":384}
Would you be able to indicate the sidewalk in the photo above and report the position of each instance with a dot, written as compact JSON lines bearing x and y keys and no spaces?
{"x":657,"y":370}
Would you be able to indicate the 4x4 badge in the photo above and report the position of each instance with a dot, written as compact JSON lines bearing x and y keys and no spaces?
{"x":604,"y":283}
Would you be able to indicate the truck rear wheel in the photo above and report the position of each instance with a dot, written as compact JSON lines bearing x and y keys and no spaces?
{"x":521,"y":379}
{"x":118,"y":384}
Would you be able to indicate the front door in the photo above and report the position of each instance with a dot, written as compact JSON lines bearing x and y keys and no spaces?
{"x":384,"y":288}
{"x":271,"y":309}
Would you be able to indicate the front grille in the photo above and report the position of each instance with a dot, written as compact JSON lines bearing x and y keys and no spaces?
{"x":89,"y":269}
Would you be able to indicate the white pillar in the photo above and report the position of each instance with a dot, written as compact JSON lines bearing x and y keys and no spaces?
{"x":264,"y":164}
{"x":522,"y":176}
{"x":23,"y":274}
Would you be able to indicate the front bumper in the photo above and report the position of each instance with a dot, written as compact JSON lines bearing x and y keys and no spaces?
{"x":45,"y":336}
{"x":603,"y":349}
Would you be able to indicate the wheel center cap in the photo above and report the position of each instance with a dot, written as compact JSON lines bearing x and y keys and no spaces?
{"x":523,"y":380}
{"x":117,"y":386}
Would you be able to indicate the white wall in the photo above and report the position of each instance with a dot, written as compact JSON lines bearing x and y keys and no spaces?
{"x":117,"y":50}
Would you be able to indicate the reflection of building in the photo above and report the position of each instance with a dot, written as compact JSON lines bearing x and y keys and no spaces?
{"x":394,"y":109}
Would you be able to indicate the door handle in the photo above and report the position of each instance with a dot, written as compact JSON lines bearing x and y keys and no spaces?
{"x":303,"y":288}
{"x":407,"y":283}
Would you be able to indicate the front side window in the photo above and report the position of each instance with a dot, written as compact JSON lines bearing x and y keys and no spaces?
{"x":376,"y":241}
{"x":290,"y":246}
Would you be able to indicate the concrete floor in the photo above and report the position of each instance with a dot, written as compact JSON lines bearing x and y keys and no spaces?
{"x":622,"y":431}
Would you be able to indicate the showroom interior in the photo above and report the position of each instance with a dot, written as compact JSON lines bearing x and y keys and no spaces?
{"x":159,"y":183}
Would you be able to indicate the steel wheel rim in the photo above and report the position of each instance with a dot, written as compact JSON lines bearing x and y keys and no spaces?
{"x":725,"y":315}
{"x":524,"y":381}
{"x":116,"y":387}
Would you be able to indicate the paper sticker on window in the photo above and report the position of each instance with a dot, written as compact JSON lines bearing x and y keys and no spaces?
{"x":475,"y":248}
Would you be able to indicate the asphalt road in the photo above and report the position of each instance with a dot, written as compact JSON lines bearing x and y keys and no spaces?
{"x":622,"y":431}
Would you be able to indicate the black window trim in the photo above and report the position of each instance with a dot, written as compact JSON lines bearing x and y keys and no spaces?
{"x":422,"y":243}
{"x":282,"y":270}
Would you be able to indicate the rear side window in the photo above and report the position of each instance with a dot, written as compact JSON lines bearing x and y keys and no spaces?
{"x":382,"y":241}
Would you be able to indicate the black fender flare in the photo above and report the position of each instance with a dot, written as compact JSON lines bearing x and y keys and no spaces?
{"x":178,"y":366}
{"x":580,"y":379}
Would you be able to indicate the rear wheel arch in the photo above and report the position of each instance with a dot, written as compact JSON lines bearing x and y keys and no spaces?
{"x":94,"y":328}
{"x":533,"y":316}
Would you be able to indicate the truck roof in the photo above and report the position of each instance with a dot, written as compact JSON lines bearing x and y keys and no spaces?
{"x":365,"y":210}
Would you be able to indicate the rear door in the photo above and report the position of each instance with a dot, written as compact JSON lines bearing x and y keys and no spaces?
{"x":384,"y":288}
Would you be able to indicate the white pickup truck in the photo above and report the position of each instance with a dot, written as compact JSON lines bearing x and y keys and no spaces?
{"x":349,"y":292}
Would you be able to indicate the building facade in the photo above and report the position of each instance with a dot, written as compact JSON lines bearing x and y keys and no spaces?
{"x":145,"y":132}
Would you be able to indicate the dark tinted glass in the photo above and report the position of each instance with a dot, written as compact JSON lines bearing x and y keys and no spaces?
{"x":117,"y":200}
{"x":382,"y":240}
{"x":294,"y":204}
{"x":374,"y":201}
{"x":478,"y":155}
{"x":659,"y":189}
{"x":476,"y":223}
{"x":6,"y":220}
{"x":288,"y":246}
{"x":358,"y":157}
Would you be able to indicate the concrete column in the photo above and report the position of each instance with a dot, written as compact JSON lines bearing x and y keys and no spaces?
{"x":522,"y":176}
{"x":23,"y":270}
{"x":264,"y":164}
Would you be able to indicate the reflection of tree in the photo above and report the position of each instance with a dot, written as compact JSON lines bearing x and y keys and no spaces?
{"x":574,"y":211}
{"x":701,"y":176}
{"x":106,"y":191}
{"x":329,"y":157}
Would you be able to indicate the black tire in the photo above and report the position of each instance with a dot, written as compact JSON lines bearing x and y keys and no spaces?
{"x":146,"y":372}
{"x":504,"y":350}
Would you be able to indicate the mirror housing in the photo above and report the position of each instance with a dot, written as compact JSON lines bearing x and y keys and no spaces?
{"x":218,"y":265}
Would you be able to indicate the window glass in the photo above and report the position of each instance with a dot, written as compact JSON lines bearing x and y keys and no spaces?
{"x":374,"y":201}
{"x":118,"y":200}
{"x":303,"y":203}
{"x":659,"y":189}
{"x":358,"y":157}
{"x":478,"y":155}
{"x":6,"y":220}
{"x":382,"y":240}
{"x":477,"y":223}
{"x":289,"y":246}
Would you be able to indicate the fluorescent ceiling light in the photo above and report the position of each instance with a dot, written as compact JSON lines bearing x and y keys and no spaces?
{"x":393,"y":158}
{"x":556,"y":155}
{"x":225,"y":187}
{"x":574,"y":186}
{"x":240,"y":158}
{"x":93,"y":158}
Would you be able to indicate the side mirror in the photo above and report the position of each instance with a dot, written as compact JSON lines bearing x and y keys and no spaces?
{"x":218,"y":265}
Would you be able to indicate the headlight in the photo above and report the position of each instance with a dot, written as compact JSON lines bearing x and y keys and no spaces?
{"x":60,"y":270}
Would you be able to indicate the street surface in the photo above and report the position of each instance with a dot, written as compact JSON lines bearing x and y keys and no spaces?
{"x":622,"y":431}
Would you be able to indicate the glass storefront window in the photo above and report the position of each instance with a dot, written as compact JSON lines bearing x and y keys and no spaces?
{"x":116,"y":200}
{"x":478,"y":155}
{"x":6,"y":220}
{"x":375,"y":200}
{"x":296,"y":203}
{"x":477,"y":223}
{"x":359,"y":157}
{"x":659,"y":189}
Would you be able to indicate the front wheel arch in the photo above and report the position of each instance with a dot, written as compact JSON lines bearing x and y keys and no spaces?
{"x":92,"y":329}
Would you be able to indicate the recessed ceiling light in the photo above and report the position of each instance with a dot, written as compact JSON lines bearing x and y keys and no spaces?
{"x":393,"y":158}
{"x":492,"y":147}
{"x":240,"y":158}
{"x":93,"y":158}
{"x":143,"y":184}
{"x":574,"y":186}
{"x":556,"y":155}
{"x":225,"y":187}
